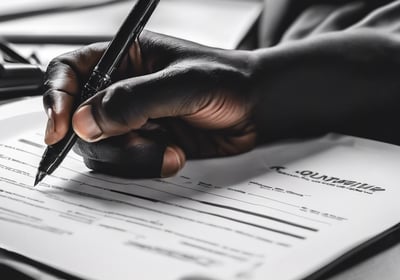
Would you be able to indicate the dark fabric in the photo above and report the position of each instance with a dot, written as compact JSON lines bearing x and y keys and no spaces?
{"x":286,"y":20}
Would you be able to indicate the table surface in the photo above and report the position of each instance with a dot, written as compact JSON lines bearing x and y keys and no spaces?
{"x":384,"y":266}
{"x":201,"y":26}
{"x":217,"y":23}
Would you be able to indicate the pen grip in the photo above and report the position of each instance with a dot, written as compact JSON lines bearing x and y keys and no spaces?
{"x":56,"y":153}
{"x":96,"y":82}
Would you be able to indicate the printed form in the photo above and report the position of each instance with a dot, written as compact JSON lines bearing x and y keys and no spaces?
{"x":279,"y":212}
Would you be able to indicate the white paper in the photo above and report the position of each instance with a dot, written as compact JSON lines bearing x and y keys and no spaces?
{"x":278,"y":212}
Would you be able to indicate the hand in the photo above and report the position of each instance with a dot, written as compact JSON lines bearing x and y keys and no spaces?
{"x":171,"y":100}
{"x":174,"y":99}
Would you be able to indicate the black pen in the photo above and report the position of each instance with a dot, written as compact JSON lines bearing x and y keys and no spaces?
{"x":100,"y":79}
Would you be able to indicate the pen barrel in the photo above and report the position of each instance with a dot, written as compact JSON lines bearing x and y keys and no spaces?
{"x":111,"y":59}
{"x":126,"y":35}
{"x":101,"y":77}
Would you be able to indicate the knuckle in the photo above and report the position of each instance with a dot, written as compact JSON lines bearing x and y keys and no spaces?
{"x":118,"y":105}
{"x":48,"y":100}
{"x":61,"y":61}
{"x":114,"y":99}
{"x":54,"y":63}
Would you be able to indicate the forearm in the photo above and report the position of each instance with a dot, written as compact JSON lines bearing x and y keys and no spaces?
{"x":340,"y":82}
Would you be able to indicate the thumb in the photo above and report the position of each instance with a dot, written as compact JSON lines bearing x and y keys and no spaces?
{"x":128,"y":105}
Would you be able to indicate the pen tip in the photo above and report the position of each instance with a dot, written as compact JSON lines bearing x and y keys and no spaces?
{"x":39,"y":177}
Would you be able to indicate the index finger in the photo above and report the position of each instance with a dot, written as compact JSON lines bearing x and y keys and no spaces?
{"x":65,"y":77}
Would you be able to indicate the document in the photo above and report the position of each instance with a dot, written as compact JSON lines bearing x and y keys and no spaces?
{"x":279,"y":212}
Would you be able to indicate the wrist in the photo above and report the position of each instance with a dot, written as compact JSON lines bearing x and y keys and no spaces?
{"x":277,"y":86}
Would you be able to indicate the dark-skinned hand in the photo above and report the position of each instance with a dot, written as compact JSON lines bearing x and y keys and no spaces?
{"x":170,"y":100}
{"x":173,"y":99}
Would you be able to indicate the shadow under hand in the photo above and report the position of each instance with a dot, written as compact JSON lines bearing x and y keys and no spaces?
{"x":224,"y":172}
{"x":229,"y":171}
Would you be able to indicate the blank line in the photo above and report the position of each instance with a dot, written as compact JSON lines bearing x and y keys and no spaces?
{"x":210,"y":204}
{"x":129,"y":194}
{"x":260,"y":215}
{"x":31,"y":143}
{"x":226,"y":218}
{"x":250,"y":203}
{"x":275,"y":200}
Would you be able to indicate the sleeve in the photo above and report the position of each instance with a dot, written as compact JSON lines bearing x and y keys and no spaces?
{"x":287,"y":20}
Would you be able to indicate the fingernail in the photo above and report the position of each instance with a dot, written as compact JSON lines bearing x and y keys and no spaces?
{"x":50,"y":128}
{"x":85,"y":125}
{"x":171,"y":163}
